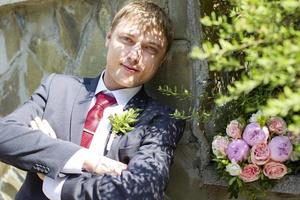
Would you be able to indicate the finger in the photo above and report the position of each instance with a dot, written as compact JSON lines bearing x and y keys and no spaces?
{"x":103,"y":166}
{"x":109,"y":166}
{"x":114,"y":173}
{"x":41,"y":176}
{"x":120,"y":168}
{"x":33,"y":125}
{"x":40,"y":125}
{"x":118,"y":164}
{"x":117,"y":170}
{"x":101,"y":169}
{"x":49,"y":129}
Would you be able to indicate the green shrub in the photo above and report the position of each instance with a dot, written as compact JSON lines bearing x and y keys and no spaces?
{"x":259,"y":40}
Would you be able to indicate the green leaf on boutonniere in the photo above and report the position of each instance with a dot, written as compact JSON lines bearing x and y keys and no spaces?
{"x":122,"y":123}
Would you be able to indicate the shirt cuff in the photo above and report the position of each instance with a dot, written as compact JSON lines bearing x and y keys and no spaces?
{"x":75,"y":163}
{"x":52,"y":188}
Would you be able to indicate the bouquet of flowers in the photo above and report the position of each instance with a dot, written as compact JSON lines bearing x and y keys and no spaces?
{"x":257,"y":152}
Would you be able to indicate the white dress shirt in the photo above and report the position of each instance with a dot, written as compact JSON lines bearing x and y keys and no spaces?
{"x":52,"y":188}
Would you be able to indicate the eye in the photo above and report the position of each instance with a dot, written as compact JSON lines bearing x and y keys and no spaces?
{"x":151,"y":50}
{"x":126,"y":40}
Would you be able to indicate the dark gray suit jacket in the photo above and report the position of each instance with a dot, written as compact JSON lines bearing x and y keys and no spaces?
{"x":64,"y":101}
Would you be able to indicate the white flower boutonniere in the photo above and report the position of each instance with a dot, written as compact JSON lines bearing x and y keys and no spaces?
{"x":122,"y":123}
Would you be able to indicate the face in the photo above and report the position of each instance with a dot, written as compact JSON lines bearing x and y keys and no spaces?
{"x":134,"y":54}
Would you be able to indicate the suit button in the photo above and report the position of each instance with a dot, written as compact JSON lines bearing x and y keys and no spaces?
{"x":40,"y":168}
{"x":47,"y":170}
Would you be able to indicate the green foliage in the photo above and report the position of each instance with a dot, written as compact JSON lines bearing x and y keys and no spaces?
{"x":181,"y":115}
{"x":168,"y":91}
{"x":260,"y":40}
{"x":236,"y":185}
{"x":183,"y":95}
{"x":122,"y":123}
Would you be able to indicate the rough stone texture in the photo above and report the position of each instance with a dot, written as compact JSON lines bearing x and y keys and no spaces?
{"x":68,"y":37}
{"x":63,"y":36}
{"x":9,"y":2}
{"x":171,"y":73}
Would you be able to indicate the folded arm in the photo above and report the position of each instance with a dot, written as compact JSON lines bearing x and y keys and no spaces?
{"x":147,"y":172}
{"x":29,"y":149}
{"x":82,"y":159}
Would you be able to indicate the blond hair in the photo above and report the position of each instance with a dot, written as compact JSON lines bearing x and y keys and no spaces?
{"x":150,"y":15}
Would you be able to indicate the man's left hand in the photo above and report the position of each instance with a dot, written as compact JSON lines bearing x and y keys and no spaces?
{"x":41,"y":176}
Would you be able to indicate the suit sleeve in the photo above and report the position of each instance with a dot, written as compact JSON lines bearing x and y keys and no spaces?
{"x":147,"y":172}
{"x":28,"y":149}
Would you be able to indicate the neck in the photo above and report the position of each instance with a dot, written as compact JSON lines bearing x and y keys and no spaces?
{"x":110,"y":84}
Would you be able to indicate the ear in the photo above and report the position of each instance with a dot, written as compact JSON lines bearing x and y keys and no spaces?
{"x":108,"y":37}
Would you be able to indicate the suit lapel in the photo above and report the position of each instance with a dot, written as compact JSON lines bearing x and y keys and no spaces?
{"x":139,"y":101}
{"x":80,"y":108}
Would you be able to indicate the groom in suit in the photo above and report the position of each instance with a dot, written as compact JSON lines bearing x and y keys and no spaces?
{"x":87,"y":160}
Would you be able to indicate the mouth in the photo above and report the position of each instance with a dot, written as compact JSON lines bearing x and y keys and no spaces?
{"x":130,"y":68}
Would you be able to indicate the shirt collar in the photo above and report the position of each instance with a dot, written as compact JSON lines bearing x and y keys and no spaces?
{"x":122,"y":95}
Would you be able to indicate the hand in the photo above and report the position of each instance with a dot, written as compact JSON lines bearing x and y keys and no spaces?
{"x":104,"y":166}
{"x":41,"y":176}
{"x":42,"y":125}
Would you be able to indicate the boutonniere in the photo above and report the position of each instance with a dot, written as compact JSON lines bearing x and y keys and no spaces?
{"x":122,"y":123}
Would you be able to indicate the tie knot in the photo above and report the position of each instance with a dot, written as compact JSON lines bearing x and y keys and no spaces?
{"x":104,"y":100}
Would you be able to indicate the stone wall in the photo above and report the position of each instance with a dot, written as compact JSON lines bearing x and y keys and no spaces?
{"x":65,"y":36}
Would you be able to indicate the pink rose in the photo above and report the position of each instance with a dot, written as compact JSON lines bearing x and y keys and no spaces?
{"x":274,"y":170}
{"x":260,"y":154}
{"x":219,"y":145}
{"x":234,"y":129}
{"x":238,"y":150}
{"x":277,"y":125}
{"x":281,"y":148}
{"x":250,"y":173}
{"x":254,"y":134}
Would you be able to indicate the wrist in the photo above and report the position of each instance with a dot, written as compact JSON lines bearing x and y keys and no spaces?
{"x":90,"y":162}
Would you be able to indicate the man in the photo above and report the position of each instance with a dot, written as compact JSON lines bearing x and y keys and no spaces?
{"x":137,"y":44}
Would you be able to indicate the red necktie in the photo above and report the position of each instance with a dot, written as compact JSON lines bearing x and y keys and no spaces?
{"x":94,"y":116}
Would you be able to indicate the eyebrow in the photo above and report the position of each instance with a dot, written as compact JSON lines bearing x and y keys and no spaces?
{"x":127,"y":34}
{"x":154,"y":44}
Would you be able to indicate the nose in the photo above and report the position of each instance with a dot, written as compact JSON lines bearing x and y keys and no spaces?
{"x":135,"y":53}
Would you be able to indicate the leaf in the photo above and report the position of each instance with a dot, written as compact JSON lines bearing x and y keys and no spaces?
{"x":260,"y":40}
{"x":232,"y":180}
{"x":122,"y":123}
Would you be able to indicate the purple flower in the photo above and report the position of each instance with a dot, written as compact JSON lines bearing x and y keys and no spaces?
{"x":281,"y":148}
{"x":234,"y":129}
{"x":254,"y":134}
{"x":277,"y":125}
{"x":238,"y":150}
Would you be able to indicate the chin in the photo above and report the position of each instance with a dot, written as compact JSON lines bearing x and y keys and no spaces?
{"x":129,"y":85}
